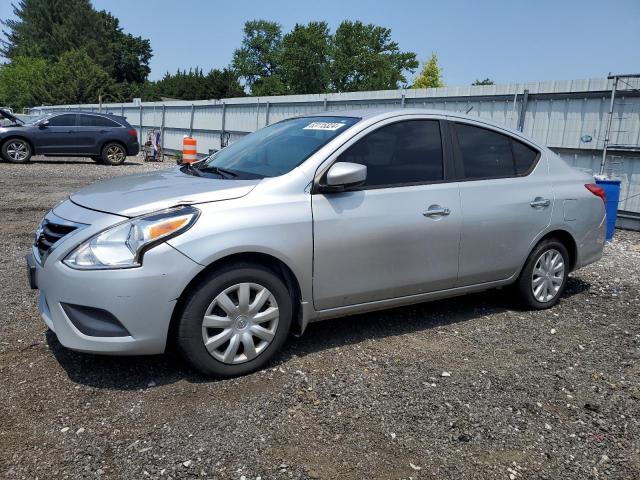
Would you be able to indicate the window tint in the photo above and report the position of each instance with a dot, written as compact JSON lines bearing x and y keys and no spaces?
{"x":66,"y":120}
{"x":524,"y":156}
{"x":400,"y":153}
{"x":485,"y":153}
{"x":95,"y":121}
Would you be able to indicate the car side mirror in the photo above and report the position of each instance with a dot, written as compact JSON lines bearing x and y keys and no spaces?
{"x":343,"y":175}
{"x":43,"y":124}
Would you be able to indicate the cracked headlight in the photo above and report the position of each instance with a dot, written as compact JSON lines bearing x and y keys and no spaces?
{"x":122,"y":245}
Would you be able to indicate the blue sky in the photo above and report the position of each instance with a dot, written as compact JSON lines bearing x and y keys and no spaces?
{"x":508,"y":41}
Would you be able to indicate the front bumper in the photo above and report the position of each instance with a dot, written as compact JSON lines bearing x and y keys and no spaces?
{"x":141,"y":299}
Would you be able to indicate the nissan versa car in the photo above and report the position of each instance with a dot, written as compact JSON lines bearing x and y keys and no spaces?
{"x":103,"y":137}
{"x":311,"y":218}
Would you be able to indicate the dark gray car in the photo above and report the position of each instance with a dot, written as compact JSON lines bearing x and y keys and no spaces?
{"x":103,"y":137}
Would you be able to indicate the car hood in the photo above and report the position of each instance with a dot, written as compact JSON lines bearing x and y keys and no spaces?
{"x":134,"y":195}
{"x":9,"y":116}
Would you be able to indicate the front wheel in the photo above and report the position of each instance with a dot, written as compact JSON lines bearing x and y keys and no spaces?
{"x":544,"y":276}
{"x":16,"y":150}
{"x":235,"y":321}
{"x":113,"y":154}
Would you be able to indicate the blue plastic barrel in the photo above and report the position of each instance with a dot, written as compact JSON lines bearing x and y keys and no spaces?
{"x":611,"y":188}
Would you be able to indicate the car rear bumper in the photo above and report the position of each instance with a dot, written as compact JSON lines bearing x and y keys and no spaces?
{"x":133,"y":149}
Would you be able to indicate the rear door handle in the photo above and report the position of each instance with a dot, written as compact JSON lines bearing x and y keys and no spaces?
{"x":436,"y":211}
{"x":540,"y":202}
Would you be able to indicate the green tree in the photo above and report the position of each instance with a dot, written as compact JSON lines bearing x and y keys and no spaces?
{"x":486,"y":81}
{"x":21,"y":82}
{"x":49,"y":28}
{"x":305,"y":58}
{"x":257,"y":60}
{"x":430,"y":76}
{"x":76,"y":78}
{"x":365,"y":58}
{"x":126,"y":57}
{"x":194,"y":85}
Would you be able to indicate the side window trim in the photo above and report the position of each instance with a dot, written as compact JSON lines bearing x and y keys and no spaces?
{"x":445,"y":144}
{"x":459,"y":165}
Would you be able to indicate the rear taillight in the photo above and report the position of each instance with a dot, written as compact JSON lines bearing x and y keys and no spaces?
{"x":133,"y":132}
{"x":597,"y":191}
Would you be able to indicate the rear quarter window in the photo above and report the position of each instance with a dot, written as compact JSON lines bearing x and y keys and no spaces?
{"x":524,"y":157}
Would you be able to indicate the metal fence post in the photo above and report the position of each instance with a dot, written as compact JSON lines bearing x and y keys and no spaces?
{"x":193,"y":107}
{"x":164,"y":108}
{"x":266,"y":115}
{"x":324,"y":104}
{"x":140,"y":140}
{"x":523,"y":110}
{"x":122,"y":110}
{"x":224,"y":118}
{"x":402,"y":99}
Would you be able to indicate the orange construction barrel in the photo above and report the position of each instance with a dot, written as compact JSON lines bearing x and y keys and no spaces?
{"x":189,"y":150}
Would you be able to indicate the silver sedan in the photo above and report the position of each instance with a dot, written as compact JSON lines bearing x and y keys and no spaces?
{"x":307,"y":219}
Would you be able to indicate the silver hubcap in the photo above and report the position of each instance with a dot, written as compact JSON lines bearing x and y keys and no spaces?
{"x":547,"y":276}
{"x":17,"y":151}
{"x":115,"y":154}
{"x":240,"y":323}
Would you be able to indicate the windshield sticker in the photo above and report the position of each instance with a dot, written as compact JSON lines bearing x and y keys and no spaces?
{"x":323,"y":126}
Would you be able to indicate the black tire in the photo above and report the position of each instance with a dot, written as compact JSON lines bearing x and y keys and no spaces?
{"x":16,"y":150}
{"x":113,"y":153}
{"x":190,"y":342}
{"x":524,"y":284}
{"x":97,"y":159}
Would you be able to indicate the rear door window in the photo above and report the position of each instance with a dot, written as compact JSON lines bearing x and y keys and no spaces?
{"x":95,"y":121}
{"x":66,"y":120}
{"x":485,"y":154}
{"x":488,"y":154}
{"x":403,"y":153}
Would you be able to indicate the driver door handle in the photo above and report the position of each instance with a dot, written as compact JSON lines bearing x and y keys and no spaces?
{"x":436,"y":211}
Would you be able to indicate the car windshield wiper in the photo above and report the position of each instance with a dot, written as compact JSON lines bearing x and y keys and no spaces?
{"x":191,"y":170}
{"x":223,"y":172}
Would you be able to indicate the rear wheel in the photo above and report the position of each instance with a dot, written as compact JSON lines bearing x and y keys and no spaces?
{"x":544,"y":276}
{"x":113,"y":154}
{"x":16,"y":150}
{"x":235,"y":321}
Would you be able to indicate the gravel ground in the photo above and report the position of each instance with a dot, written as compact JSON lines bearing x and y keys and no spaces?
{"x":464,"y":388}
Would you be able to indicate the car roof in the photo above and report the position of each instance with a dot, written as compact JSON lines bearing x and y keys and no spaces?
{"x":111,"y":116}
{"x":381,"y":114}
{"x":101,"y":114}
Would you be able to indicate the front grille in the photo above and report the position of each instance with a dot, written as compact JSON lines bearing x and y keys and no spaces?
{"x":50,"y":233}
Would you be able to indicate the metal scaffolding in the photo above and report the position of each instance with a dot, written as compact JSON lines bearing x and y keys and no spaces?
{"x":620,"y":79}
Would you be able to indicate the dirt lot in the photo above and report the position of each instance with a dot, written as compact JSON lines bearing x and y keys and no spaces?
{"x":552,"y":394}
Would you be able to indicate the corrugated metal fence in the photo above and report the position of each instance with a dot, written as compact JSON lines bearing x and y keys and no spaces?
{"x":567,"y":116}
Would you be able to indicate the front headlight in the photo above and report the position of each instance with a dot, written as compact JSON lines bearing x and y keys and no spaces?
{"x":122,"y":245}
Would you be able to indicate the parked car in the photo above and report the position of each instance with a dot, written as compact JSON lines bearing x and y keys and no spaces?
{"x":105,"y":138}
{"x":311,"y":218}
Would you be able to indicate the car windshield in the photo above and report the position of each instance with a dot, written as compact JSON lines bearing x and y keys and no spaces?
{"x":34,"y":120}
{"x":276,"y":149}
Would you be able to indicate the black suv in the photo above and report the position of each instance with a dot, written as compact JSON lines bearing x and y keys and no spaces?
{"x":105,"y":138}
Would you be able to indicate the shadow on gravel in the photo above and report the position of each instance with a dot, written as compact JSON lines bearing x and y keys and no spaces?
{"x":132,"y":373}
{"x":80,"y":160}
